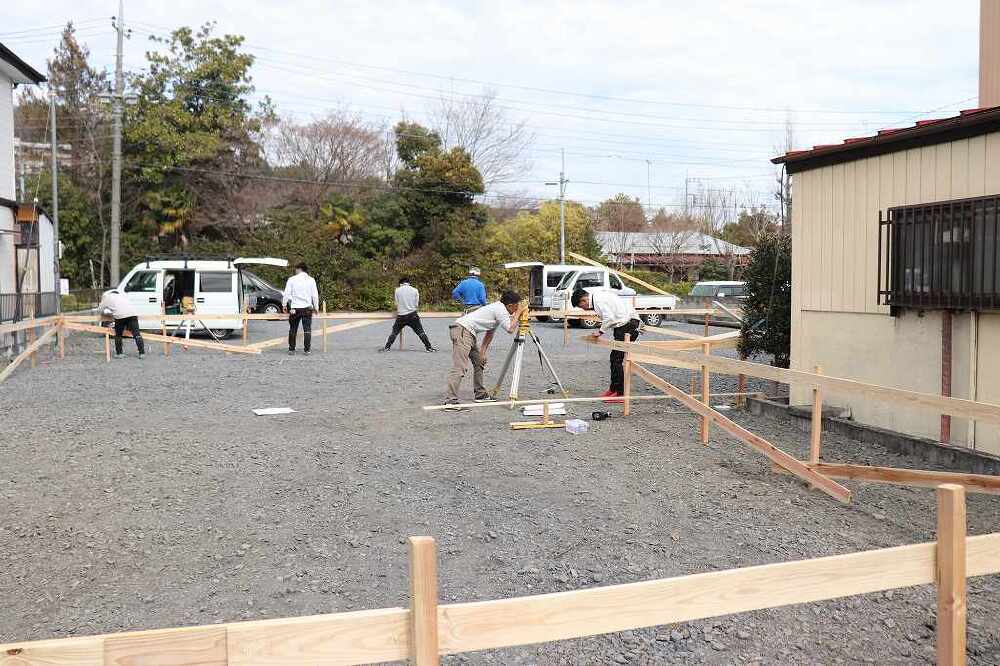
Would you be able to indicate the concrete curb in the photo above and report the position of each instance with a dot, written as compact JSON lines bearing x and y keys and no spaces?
{"x":958,"y":458}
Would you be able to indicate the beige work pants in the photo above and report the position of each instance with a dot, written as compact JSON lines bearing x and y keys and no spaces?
{"x":465,"y":350}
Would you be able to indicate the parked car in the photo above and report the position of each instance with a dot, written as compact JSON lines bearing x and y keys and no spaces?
{"x":542,"y":281}
{"x":591,"y":278}
{"x":260,"y":295}
{"x":209,"y":286}
{"x":730,"y":293}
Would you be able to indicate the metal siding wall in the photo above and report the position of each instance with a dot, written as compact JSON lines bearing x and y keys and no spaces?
{"x":836,"y":277}
{"x":835,"y":227}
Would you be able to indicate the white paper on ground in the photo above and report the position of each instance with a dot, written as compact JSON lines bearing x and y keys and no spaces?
{"x":267,"y":411}
{"x":555,"y":409}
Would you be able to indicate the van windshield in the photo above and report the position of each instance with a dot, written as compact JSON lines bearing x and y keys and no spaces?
{"x":566,"y":280}
{"x":704,"y":290}
{"x":553,"y":279}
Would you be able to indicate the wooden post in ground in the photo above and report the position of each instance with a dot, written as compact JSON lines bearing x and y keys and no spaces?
{"x":324,"y":327}
{"x":31,"y":338}
{"x":163,"y":328}
{"x":816,"y":434}
{"x":107,"y":347}
{"x":61,"y":333}
{"x":707,"y":318}
{"x":565,"y":324}
{"x":627,"y":406}
{"x":706,"y":422}
{"x":423,"y":602}
{"x":246,"y":328}
{"x":950,"y":576}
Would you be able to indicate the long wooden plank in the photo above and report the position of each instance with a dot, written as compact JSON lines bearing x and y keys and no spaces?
{"x":156,"y":337}
{"x":550,"y":401}
{"x":671,"y":332}
{"x":283,"y":340}
{"x":28,"y":323}
{"x":779,"y":457}
{"x":828,"y":384}
{"x":564,"y":615}
{"x":28,"y":351}
{"x":621,"y":274}
{"x":383,"y":635}
{"x":201,"y":646}
{"x":975,"y":483}
{"x":343,"y":639}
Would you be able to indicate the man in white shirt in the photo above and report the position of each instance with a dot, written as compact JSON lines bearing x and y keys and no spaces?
{"x":407,"y":302}
{"x":301,"y":299}
{"x":617,"y":318}
{"x":116,"y":305}
{"x":465,"y":348}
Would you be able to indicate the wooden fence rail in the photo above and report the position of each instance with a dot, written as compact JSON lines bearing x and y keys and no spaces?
{"x":427,"y":630}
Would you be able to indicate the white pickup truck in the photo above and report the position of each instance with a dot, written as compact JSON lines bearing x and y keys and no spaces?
{"x":591,"y":279}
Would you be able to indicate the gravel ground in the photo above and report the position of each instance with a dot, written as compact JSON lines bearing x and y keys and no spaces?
{"x":142,"y":495}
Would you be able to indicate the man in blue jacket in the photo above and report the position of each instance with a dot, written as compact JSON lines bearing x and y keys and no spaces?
{"x":470,"y":292}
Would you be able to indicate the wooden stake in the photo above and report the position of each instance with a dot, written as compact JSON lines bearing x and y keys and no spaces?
{"x":62,"y":340}
{"x":246,"y":326}
{"x":545,"y":414}
{"x":565,"y":325}
{"x":707,"y":318}
{"x":107,"y":347}
{"x":401,"y":331}
{"x":627,"y":406}
{"x":816,"y":434}
{"x":951,"y":564}
{"x":706,"y":421}
{"x":423,"y":602}
{"x":163,"y":328}
{"x":324,"y":327}
{"x":34,"y":355}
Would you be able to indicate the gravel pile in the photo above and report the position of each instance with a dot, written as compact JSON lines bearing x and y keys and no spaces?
{"x":146,"y":494}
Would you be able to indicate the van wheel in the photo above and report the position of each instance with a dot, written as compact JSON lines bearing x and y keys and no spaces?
{"x":652,"y":319}
{"x":272,"y":309}
{"x":222,"y":333}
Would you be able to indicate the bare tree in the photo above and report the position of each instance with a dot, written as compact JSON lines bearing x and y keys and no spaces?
{"x":783,"y":180}
{"x":479,"y":125}
{"x":671,"y":235}
{"x":339,"y":149}
{"x":716,"y":209}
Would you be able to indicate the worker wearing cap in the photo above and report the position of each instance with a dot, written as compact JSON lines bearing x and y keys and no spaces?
{"x":470,"y":292}
{"x":618,"y":318}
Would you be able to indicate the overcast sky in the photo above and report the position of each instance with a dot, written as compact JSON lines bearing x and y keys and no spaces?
{"x":640,"y":94}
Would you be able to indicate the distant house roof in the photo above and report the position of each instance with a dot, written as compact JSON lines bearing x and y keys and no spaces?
{"x":637,"y":242}
{"x":968,"y":123}
{"x":16,"y":69}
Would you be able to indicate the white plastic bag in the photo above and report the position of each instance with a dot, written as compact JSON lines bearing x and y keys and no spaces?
{"x":577,"y":426}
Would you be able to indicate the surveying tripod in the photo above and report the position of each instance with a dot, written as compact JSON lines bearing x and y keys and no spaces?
{"x":516,"y":355}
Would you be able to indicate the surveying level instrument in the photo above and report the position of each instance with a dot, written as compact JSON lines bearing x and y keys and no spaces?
{"x":515,"y":358}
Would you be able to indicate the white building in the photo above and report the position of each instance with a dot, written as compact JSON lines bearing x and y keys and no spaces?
{"x":14,"y":72}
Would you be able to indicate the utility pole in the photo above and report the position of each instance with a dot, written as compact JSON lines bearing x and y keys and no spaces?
{"x":116,"y":157}
{"x":55,"y":199}
{"x":562,"y":208}
{"x":686,"y":194}
{"x":649,"y":187}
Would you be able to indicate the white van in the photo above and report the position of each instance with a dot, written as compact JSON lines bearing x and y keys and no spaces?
{"x":591,"y":278}
{"x":214,"y":286}
{"x":542,"y":281}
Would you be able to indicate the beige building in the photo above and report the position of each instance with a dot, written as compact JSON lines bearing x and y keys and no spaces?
{"x":896,"y":267}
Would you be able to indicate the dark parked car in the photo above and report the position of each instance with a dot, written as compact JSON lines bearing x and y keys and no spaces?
{"x":261,"y":295}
